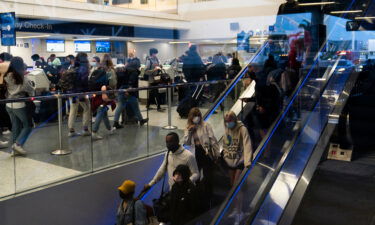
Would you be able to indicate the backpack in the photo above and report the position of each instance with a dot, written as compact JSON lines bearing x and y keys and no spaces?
{"x":98,"y":79}
{"x":151,"y":218}
{"x":67,"y":80}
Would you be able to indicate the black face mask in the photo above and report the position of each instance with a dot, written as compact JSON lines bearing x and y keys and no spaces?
{"x":173,"y":147}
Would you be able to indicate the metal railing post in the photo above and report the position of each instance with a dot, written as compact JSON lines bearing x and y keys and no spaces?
{"x":170,"y":127}
{"x":60,"y":150}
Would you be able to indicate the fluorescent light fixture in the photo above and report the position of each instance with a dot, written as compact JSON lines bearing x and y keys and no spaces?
{"x":364,"y":17}
{"x":90,"y":39}
{"x":348,"y":11}
{"x":140,"y":41}
{"x":316,"y":3}
{"x":36,"y":36}
{"x":179,"y":42}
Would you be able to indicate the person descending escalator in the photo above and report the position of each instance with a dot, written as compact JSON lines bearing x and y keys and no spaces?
{"x":237,"y":148}
{"x":184,"y":197}
{"x":199,"y":136}
{"x":131,"y":210}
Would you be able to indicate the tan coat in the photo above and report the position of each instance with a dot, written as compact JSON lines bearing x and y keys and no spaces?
{"x":3,"y":69}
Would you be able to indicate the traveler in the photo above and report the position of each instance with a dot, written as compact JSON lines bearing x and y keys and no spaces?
{"x":217,"y":71}
{"x":237,"y":148}
{"x":5,"y":124}
{"x":200,"y":137}
{"x":104,"y":81}
{"x":184,"y":199}
{"x":131,"y":210}
{"x":175,"y":156}
{"x":234,"y":69}
{"x":152,"y":68}
{"x":69,"y":62}
{"x":18,"y":86}
{"x":107,"y":65}
{"x":193,"y":67}
{"x":54,"y":61}
{"x":129,"y":79}
{"x":94,"y":64}
{"x":81,"y":68}
{"x":39,"y":62}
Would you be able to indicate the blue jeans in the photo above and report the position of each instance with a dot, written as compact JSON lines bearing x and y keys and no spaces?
{"x":21,"y":124}
{"x":132,"y":102}
{"x":101,"y":115}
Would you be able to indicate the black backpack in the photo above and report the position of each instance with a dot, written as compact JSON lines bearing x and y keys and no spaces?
{"x":67,"y":80}
{"x":98,"y":79}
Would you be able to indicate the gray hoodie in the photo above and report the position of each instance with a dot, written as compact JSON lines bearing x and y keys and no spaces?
{"x":237,"y":146}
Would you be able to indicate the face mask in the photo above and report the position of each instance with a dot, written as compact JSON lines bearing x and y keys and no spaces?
{"x":50,"y":63}
{"x":93,"y":64}
{"x":173,"y":147}
{"x":196,"y":120}
{"x":231,"y":125}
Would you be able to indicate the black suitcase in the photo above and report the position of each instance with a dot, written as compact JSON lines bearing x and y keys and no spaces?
{"x":190,"y":102}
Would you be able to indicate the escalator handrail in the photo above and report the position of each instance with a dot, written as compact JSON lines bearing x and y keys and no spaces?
{"x":269,"y":185}
{"x":232,"y":84}
{"x":263,"y":143}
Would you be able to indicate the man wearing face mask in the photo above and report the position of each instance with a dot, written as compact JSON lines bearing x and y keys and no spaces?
{"x":237,"y":148}
{"x":177,"y":155}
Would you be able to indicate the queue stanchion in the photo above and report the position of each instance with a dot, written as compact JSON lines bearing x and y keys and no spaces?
{"x":60,"y":150}
{"x":169,"y":126}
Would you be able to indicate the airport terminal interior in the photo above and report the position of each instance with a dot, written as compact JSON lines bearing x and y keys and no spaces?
{"x":190,"y":112}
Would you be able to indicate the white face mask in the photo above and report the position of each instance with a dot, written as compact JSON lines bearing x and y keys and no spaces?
{"x":93,"y":64}
{"x":196,"y":120}
{"x":50,"y":63}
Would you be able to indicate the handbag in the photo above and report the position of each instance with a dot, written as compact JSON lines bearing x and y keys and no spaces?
{"x":161,"y":205}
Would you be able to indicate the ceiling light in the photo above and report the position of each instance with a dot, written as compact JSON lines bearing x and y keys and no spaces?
{"x":364,"y":17}
{"x":36,"y":36}
{"x":179,"y":42}
{"x":316,"y":3}
{"x":349,"y":11}
{"x":140,"y":41}
{"x":90,"y":39}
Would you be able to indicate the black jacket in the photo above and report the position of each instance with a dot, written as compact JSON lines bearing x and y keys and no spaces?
{"x":216,"y":72}
{"x":183,"y":203}
{"x":193,"y":67}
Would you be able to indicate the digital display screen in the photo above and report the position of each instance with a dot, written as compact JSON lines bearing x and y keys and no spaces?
{"x":103,"y":46}
{"x":55,"y":45}
{"x":82,"y":46}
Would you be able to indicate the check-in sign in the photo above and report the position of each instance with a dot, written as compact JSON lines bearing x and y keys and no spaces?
{"x":8,"y":32}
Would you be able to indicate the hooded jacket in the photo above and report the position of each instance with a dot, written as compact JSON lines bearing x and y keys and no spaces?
{"x":206,"y":138}
{"x":237,"y":146}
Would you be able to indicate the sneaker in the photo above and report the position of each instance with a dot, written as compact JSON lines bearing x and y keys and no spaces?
{"x":143,"y":121}
{"x":117,"y":125}
{"x":95,"y":136}
{"x":18,"y":149}
{"x":4,"y":144}
{"x":73,"y":134}
{"x":7,"y":132}
{"x":86,"y":133}
{"x":112,"y":131}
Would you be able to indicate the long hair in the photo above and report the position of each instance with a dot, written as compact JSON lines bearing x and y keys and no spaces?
{"x":17,"y":69}
{"x":107,"y":63}
{"x":193,"y":113}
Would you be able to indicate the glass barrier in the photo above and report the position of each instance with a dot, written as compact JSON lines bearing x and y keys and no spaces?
{"x":274,"y":150}
{"x":68,"y":135}
{"x":303,"y":145}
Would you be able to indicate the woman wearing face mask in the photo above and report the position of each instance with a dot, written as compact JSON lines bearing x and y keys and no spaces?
{"x":200,"y":137}
{"x":237,"y":148}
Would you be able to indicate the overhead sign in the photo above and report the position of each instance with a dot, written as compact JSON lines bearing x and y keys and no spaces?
{"x":8,"y":32}
{"x":91,"y":29}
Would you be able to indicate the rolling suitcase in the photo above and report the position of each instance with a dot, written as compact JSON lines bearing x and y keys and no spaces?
{"x":190,"y":102}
